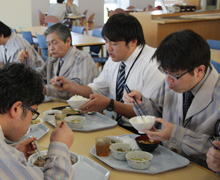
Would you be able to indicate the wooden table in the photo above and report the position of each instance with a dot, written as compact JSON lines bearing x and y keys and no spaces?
{"x":78,"y":40}
{"x":84,"y":141}
{"x":74,"y":18}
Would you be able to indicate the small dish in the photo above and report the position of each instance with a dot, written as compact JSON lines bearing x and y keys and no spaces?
{"x":139,"y":159}
{"x":145,"y":144}
{"x":114,"y":139}
{"x":119,"y":150}
{"x":36,"y":122}
{"x":75,"y":122}
{"x":139,"y":124}
{"x":33,"y":158}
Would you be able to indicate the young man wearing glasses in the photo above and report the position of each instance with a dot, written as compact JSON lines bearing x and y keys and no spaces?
{"x":21,"y":90}
{"x":187,"y":125}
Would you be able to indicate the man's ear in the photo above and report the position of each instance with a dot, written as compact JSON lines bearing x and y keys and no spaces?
{"x":16,"y":109}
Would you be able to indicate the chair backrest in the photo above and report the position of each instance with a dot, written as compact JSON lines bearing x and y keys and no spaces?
{"x":214,"y":44}
{"x":119,"y":10}
{"x":216,"y":65}
{"x":14,"y":30}
{"x":28,"y":36}
{"x":130,"y":7}
{"x":90,"y":22}
{"x":41,"y":18}
{"x":43,"y":44}
{"x":53,"y":19}
{"x":50,"y":24}
{"x":96,"y":48}
{"x":85,"y":12}
{"x":77,"y":29}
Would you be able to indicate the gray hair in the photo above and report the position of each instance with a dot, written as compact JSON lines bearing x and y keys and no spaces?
{"x":61,"y":30}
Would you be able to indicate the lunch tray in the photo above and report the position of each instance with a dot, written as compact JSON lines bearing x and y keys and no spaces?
{"x":37,"y":132}
{"x":163,"y":160}
{"x":93,"y":122}
{"x":88,"y":169}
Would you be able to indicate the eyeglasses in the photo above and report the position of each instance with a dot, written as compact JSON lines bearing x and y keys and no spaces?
{"x":35,"y":113}
{"x":172,"y":75}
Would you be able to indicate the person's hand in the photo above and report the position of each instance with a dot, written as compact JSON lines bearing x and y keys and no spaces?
{"x":65,"y":83}
{"x":213,"y":157}
{"x":22,"y":55}
{"x":62,"y":133}
{"x":162,"y":135}
{"x":128,"y":98}
{"x":27,"y":146}
{"x":98,"y":103}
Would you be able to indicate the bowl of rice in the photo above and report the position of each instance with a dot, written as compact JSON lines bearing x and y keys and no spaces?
{"x":77,"y":101}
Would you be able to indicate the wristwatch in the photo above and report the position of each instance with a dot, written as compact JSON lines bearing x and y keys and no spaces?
{"x":110,"y":107}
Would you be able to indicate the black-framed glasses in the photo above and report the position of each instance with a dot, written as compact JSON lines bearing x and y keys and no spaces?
{"x":35,"y":114}
{"x":172,"y":75}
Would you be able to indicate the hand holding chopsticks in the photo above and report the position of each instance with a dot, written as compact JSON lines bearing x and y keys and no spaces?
{"x":137,"y":105}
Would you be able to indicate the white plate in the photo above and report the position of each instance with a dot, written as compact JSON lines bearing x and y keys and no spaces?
{"x":163,"y":160}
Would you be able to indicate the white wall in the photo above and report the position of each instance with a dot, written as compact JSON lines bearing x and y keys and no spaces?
{"x":42,"y":5}
{"x":16,"y":13}
{"x":93,"y":6}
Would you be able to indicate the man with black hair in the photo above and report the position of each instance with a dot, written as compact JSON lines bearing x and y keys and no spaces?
{"x":127,"y":49}
{"x":187,"y":103}
{"x":21,"y":91}
{"x":13,"y":45}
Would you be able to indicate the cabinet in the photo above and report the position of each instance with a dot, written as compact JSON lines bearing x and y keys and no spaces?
{"x":157,"y":25}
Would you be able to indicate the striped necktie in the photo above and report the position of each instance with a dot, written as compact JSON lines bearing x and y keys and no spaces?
{"x":120,"y":82}
{"x":120,"y":86}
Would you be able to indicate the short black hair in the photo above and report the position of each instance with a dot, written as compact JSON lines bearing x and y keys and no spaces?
{"x":123,"y":27}
{"x":60,"y":1}
{"x":5,"y":30}
{"x":19,"y":83}
{"x":182,"y":50}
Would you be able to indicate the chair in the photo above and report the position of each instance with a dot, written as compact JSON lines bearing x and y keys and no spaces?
{"x":119,"y":10}
{"x":43,"y":48}
{"x":14,"y":30}
{"x":90,"y":23}
{"x":77,"y":29}
{"x":41,"y":18}
{"x":216,"y":65}
{"x":214,"y":44}
{"x":84,"y":19}
{"x":130,"y":7}
{"x":50,"y":24}
{"x":28,"y":36}
{"x":95,"y":49}
{"x":48,"y":19}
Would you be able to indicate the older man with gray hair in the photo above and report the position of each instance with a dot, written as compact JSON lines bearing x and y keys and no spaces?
{"x":67,"y":61}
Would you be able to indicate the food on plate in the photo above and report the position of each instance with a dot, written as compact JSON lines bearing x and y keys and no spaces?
{"x":77,"y":98}
{"x":70,"y":111}
{"x":150,"y":141}
{"x":139,"y":159}
{"x":41,"y":162}
{"x":75,"y":120}
{"x":36,"y":121}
